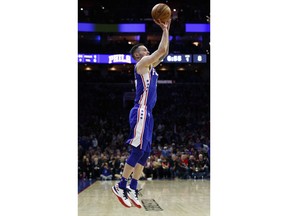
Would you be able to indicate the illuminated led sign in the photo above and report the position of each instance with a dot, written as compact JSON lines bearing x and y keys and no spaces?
{"x":127,"y":59}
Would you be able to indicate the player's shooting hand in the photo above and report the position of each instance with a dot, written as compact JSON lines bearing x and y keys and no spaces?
{"x":163,"y":25}
{"x":168,"y":24}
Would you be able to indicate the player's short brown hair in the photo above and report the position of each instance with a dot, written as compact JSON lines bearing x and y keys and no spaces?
{"x":132,"y":50}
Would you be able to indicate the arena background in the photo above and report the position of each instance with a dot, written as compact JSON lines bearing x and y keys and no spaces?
{"x":106,"y":80}
{"x":39,"y":107}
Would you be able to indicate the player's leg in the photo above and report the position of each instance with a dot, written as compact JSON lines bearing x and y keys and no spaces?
{"x":130,"y":165}
{"x":133,"y":191}
{"x":120,"y":189}
{"x":137,"y":173}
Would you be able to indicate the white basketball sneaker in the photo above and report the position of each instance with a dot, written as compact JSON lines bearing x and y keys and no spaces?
{"x":122,"y":195}
{"x":133,"y":196}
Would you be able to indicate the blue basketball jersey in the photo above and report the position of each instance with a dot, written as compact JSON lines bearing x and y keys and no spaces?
{"x":146,"y":88}
{"x":141,"y":118}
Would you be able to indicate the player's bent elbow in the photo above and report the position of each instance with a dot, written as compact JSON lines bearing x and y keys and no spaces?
{"x":161,"y":51}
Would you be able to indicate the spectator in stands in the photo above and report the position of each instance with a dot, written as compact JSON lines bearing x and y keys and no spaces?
{"x":96,"y":168}
{"x":203,"y":165}
{"x":174,"y":166}
{"x":192,"y":166}
{"x":165,"y":151}
{"x":198,"y":145}
{"x":86,"y":168}
{"x":183,"y":166}
{"x":165,"y":169}
{"x":148,"y":168}
{"x":119,"y":171}
{"x":106,"y":173}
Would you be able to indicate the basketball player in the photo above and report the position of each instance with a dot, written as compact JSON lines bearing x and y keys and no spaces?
{"x":140,"y":118}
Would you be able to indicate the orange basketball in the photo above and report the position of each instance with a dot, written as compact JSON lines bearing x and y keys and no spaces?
{"x":161,"y":11}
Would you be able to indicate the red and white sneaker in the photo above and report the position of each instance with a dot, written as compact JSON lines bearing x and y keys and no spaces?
{"x":133,"y":196}
{"x":122,"y":195}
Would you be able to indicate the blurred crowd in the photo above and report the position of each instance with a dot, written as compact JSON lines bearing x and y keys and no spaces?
{"x":181,"y":136}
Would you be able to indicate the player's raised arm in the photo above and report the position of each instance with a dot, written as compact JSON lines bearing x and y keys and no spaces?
{"x":148,"y":60}
{"x":167,"y":45}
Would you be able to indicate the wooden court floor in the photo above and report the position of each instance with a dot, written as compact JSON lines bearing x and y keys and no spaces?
{"x":174,"y":197}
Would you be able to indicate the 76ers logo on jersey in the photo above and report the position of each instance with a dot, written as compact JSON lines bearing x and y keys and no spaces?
{"x":154,"y":72}
{"x":155,"y":75}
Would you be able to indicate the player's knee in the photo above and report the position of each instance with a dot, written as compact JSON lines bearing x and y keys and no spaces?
{"x":144,"y":158}
{"x":135,"y":156}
